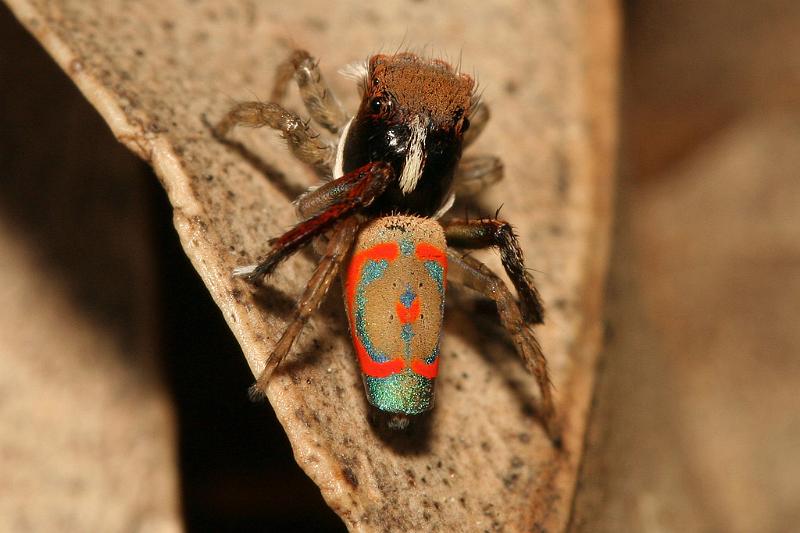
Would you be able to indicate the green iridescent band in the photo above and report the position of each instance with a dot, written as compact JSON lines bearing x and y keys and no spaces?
{"x":406,"y":393}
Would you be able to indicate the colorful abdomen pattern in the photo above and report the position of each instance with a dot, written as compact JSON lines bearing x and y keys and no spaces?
{"x":394,"y":294}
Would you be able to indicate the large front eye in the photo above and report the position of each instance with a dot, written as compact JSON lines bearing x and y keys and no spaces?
{"x":380,"y":105}
{"x":464,"y":125}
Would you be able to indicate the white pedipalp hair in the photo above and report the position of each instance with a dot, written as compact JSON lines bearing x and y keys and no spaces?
{"x":451,"y":199}
{"x":415,"y":155}
{"x":338,"y":163}
{"x":356,"y":71}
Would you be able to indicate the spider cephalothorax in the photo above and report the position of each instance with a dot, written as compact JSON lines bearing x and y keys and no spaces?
{"x":395,"y":170}
{"x":413,"y":115}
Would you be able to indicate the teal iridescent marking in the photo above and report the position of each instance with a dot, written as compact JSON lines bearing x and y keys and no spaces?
{"x":406,"y":247}
{"x":372,"y":270}
{"x":436,"y":271}
{"x":407,"y":333}
{"x":432,"y":357}
{"x":406,"y":393}
{"x":408,"y":297}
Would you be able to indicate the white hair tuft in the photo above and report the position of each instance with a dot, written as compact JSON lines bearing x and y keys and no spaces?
{"x":356,"y":71}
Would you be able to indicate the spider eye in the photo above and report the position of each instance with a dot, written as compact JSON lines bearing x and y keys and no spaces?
{"x":464,"y":125}
{"x":380,"y":104}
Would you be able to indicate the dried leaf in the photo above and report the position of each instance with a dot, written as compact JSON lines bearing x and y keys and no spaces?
{"x":481,"y":461}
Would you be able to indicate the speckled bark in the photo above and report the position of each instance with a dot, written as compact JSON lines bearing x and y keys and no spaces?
{"x":482,"y":462}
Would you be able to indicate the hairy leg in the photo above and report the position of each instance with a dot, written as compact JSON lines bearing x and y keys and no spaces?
{"x":305,"y":143}
{"x":486,"y":233}
{"x":320,"y":101}
{"x":472,"y":273}
{"x":354,"y":191}
{"x":477,"y":172}
{"x":317,"y":199}
{"x":338,"y":246}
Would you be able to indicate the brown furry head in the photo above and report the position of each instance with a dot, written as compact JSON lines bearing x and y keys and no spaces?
{"x":419,"y":85}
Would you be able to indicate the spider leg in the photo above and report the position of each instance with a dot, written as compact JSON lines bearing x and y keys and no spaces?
{"x":319,"y":100}
{"x":477,"y":122}
{"x":318,"y":286}
{"x":353,"y":191}
{"x":304,"y":142}
{"x":485,"y":233}
{"x":472,"y":273}
{"x":319,"y":198}
{"x":477,"y":172}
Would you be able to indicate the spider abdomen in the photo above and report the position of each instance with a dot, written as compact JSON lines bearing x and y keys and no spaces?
{"x":394,"y":296}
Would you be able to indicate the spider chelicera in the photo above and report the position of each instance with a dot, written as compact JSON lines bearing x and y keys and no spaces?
{"x":394,"y":171}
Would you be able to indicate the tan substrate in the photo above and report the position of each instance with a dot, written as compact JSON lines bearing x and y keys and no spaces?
{"x":548,"y":70}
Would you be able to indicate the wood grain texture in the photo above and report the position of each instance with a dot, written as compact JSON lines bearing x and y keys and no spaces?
{"x":548,"y":69}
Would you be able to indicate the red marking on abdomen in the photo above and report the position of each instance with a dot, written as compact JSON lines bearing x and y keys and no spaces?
{"x":407,"y":315}
{"x":388,"y":251}
{"x":375,"y":369}
{"x":424,"y":369}
{"x":429,"y":252}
